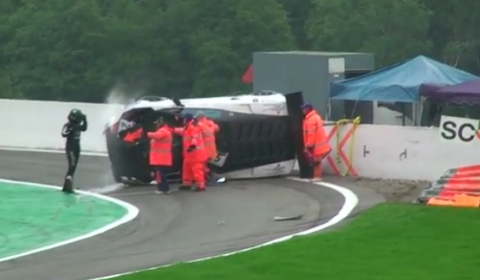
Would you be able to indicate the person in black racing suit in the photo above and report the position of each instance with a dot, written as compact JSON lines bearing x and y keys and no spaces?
{"x":77,"y":123}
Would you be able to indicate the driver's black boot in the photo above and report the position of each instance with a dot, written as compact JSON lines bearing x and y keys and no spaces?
{"x":68,"y":185}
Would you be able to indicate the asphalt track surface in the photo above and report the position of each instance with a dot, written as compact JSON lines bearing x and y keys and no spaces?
{"x":180,"y":227}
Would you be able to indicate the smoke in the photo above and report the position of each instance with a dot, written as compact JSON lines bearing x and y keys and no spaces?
{"x":122,"y":94}
{"x":115,"y":101}
{"x":113,"y":106}
{"x":117,"y":98}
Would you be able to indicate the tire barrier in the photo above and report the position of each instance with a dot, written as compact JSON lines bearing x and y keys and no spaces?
{"x":459,"y":187}
{"x":339,"y":158}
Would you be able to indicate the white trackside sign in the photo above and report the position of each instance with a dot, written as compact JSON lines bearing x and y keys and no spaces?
{"x":459,"y":130}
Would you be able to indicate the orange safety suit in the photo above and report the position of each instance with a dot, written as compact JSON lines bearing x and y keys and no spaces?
{"x":194,"y":160}
{"x":209,"y":137}
{"x":161,"y":155}
{"x":161,"y":146}
{"x":208,"y":128}
{"x":133,"y":136}
{"x":315,"y":140}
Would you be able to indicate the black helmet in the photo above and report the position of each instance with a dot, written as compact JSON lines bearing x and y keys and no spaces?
{"x":75,"y":115}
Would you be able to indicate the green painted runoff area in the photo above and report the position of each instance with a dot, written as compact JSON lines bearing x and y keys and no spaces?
{"x":34,"y":217}
{"x":387,"y":242}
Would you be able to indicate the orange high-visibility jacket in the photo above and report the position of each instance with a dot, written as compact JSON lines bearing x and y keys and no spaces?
{"x":179,"y":130}
{"x":161,"y":146}
{"x":208,"y":128}
{"x":133,"y":136}
{"x":213,"y":125}
{"x":192,"y":135}
{"x":314,"y":135}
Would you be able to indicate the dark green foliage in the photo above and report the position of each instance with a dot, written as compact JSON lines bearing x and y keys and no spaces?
{"x":80,"y":50}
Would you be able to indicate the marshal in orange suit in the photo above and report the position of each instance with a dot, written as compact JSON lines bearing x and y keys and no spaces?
{"x":315,"y":140}
{"x":208,"y":128}
{"x":194,"y":154}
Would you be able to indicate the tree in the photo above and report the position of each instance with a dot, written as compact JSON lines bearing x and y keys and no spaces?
{"x":50,"y":48}
{"x":133,"y":45}
{"x":393,"y":30}
{"x":7,"y":7}
{"x":297,"y":13}
{"x":6,"y":90}
{"x":74,"y":50}
{"x":454,"y":32}
{"x":78,"y":50}
{"x":211,"y":42}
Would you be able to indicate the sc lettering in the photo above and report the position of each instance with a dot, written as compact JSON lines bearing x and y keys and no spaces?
{"x":466,"y":131}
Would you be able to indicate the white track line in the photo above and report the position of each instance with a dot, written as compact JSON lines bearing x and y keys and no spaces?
{"x":132,"y":213}
{"x":48,"y":151}
{"x":351,"y":201}
{"x":123,"y":194}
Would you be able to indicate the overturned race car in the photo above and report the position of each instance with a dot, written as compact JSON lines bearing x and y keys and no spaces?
{"x":256,"y":137}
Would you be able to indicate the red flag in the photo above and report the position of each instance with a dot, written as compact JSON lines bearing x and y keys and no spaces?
{"x":247,"y":77}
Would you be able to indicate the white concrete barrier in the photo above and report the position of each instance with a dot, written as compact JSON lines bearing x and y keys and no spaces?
{"x":395,"y":152}
{"x":38,"y":124}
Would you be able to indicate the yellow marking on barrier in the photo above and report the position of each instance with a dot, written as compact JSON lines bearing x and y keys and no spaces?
{"x":338,"y":159}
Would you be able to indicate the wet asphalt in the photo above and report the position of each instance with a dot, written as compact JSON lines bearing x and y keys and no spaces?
{"x":178,"y":227}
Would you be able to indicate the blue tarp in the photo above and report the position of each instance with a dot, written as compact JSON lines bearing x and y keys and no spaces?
{"x":399,"y":82}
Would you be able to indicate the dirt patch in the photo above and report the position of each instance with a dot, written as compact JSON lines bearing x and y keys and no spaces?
{"x":393,"y":190}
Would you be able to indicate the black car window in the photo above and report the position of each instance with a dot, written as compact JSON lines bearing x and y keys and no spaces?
{"x":210,"y":113}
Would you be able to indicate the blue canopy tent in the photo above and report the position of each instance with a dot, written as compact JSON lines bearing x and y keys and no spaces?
{"x":399,"y":82}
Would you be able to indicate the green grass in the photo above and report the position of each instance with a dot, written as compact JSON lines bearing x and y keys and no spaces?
{"x":387,"y":242}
